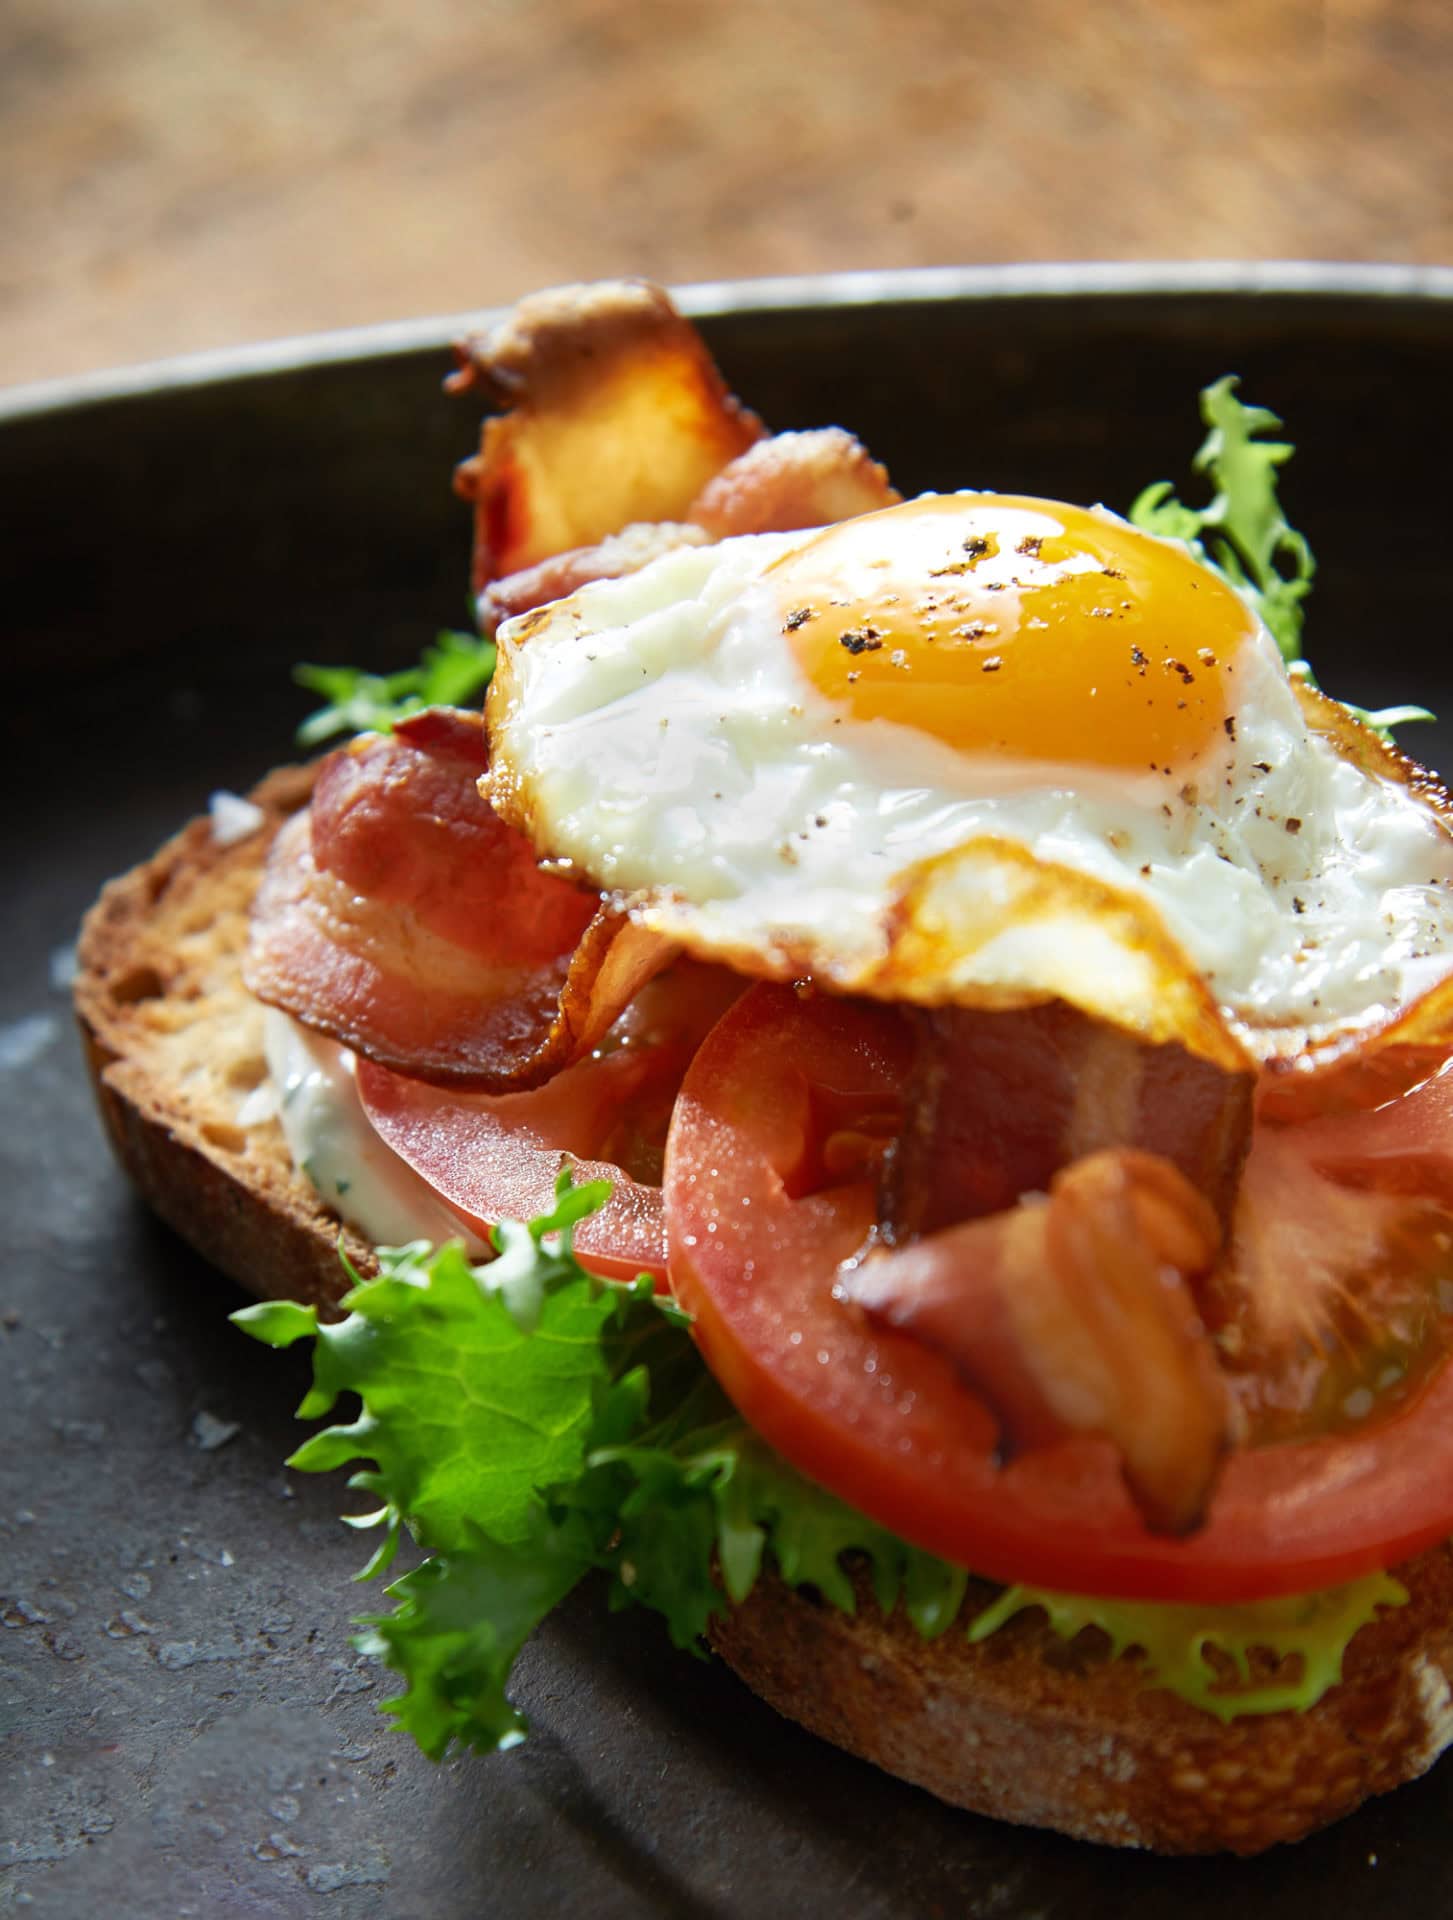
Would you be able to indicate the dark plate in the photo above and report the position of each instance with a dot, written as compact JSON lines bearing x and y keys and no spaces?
{"x":183,"y":1728}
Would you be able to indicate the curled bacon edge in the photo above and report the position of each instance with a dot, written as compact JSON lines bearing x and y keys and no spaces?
{"x":1077,"y":1314}
{"x":432,"y":976}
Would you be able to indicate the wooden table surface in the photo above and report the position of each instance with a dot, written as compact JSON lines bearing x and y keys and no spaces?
{"x":175,"y":176}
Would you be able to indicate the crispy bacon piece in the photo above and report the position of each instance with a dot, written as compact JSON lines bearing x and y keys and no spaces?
{"x":621,"y":441}
{"x":1076,"y":1315}
{"x":794,"y":480}
{"x":621,"y":553}
{"x":616,"y":414}
{"x":401,"y":917}
{"x":999,"y":1102}
{"x":397,"y":818}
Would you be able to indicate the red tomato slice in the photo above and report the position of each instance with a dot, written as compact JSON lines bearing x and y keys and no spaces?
{"x":493,"y":1158}
{"x":1404,"y":1146}
{"x":758,"y":1232}
{"x":1335,"y":1301}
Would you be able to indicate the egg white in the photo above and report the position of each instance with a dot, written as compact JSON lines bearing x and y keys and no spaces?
{"x":655,"y":733}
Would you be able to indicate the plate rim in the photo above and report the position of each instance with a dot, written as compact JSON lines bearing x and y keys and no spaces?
{"x":782,"y":293}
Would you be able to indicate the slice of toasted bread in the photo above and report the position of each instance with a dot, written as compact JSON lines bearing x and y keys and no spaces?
{"x":174,"y":1043}
{"x":1028,"y":1728}
{"x":1020,"y":1726}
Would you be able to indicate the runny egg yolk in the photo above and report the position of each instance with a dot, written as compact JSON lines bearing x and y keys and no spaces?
{"x":1019,"y":628}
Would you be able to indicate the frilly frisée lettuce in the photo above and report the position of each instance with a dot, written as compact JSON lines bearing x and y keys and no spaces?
{"x":1242,"y":532}
{"x":529,"y":1423}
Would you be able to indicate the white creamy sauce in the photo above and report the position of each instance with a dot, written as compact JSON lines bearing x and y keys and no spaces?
{"x":233,"y":818}
{"x":331,"y":1141}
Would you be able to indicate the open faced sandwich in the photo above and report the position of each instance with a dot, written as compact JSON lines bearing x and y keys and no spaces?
{"x":888,"y":1094}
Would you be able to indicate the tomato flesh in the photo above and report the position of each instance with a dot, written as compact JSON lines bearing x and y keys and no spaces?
{"x":1404,"y":1146}
{"x":757,"y":1242}
{"x":496,"y":1157}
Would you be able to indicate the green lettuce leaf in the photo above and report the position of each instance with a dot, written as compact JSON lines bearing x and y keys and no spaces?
{"x":528,"y":1424}
{"x":478,"y":1383}
{"x":1243,"y":534}
{"x":1308,"y":1632}
{"x":458,"y":1624}
{"x":451,"y":673}
{"x":676,"y":1507}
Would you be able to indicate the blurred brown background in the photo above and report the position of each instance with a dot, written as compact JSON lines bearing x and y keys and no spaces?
{"x":178,"y":174}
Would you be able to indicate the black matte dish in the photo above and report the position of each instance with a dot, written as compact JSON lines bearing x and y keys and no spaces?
{"x":183,"y":1728}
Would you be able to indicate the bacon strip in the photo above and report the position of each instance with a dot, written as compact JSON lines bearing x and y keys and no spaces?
{"x":1076,"y":1316}
{"x":792,"y":481}
{"x":998,"y":1103}
{"x":620,"y":553}
{"x":398,"y":818}
{"x":616,"y":414}
{"x":402,"y":918}
{"x":620,"y":441}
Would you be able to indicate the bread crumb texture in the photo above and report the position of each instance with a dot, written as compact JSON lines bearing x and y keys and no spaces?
{"x":174,"y":1043}
{"x":1027,"y":1729}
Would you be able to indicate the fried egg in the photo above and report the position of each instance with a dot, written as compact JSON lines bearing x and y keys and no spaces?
{"x":980,"y":749}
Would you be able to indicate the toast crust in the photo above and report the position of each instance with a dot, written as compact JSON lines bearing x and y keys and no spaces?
{"x":1044,"y":1733}
{"x":1021,"y":1726}
{"x":173,"y":1041}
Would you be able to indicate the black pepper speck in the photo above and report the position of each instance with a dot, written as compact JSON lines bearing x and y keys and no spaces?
{"x":861,"y":640}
